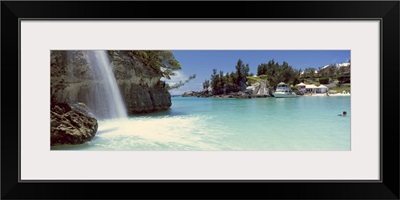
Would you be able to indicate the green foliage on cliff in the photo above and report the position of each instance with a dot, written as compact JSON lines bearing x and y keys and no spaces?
{"x":162,"y":61}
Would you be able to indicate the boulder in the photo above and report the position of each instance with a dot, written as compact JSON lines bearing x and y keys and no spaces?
{"x":71,"y":123}
{"x":187,"y":94}
{"x":248,"y":91}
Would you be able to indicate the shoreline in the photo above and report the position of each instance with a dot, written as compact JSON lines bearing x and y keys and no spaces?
{"x":246,"y":95}
{"x":228,"y":96}
{"x":236,"y":95}
{"x":329,"y":95}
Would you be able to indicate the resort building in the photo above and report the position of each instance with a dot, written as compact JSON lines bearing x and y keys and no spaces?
{"x":311,"y":88}
{"x":322,"y":89}
{"x":302,"y":87}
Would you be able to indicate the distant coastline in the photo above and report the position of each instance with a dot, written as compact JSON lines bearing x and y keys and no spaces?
{"x":243,"y":95}
{"x":237,"y":95}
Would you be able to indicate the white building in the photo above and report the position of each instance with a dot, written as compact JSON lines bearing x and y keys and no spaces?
{"x":322,"y":89}
{"x":315,"y":89}
{"x":339,"y":65}
{"x":302,"y":87}
{"x":311,"y":88}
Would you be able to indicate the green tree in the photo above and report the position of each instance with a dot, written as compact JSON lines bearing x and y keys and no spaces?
{"x":221,"y":83}
{"x":332,"y":71}
{"x":246,"y":70}
{"x":239,"y":70}
{"x":206,"y":84}
{"x":324,"y":80}
{"x":216,"y":82}
{"x":341,"y":71}
{"x":262,"y":69}
{"x":277,"y":73}
{"x":310,"y":73}
{"x":242,"y":72}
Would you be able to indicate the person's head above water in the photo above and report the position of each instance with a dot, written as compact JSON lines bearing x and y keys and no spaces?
{"x":344,"y":113}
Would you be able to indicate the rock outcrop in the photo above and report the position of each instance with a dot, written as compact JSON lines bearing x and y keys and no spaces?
{"x":256,"y":90}
{"x":203,"y":93}
{"x":72,"y":80}
{"x":71,"y":124}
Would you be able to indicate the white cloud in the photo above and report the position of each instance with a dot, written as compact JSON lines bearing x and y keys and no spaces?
{"x":179,"y":76}
{"x":176,"y":92}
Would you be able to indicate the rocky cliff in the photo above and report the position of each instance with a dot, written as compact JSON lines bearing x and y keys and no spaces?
{"x":72,"y":80}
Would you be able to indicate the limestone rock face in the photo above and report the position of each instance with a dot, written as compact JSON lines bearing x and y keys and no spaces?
{"x":71,"y":124}
{"x":139,"y":84}
{"x":72,"y":80}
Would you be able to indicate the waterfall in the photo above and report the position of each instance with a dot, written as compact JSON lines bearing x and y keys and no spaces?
{"x":107,"y":99}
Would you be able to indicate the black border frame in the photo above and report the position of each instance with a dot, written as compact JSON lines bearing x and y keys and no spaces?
{"x":387,"y":12}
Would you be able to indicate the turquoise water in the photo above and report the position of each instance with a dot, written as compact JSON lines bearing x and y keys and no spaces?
{"x":304,"y":123}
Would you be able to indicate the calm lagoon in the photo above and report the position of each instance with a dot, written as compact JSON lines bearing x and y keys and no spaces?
{"x":276,"y":124}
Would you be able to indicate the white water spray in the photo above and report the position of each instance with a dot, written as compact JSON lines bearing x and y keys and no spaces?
{"x":107,"y":93}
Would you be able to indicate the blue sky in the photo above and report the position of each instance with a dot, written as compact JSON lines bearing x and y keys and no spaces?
{"x":202,"y":62}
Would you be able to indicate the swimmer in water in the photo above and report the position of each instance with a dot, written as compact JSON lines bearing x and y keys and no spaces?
{"x":343,"y":114}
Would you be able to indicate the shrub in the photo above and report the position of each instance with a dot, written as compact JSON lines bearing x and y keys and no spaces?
{"x":324,"y":80}
{"x":230,"y":87}
{"x":344,"y":79}
{"x":263,"y":76}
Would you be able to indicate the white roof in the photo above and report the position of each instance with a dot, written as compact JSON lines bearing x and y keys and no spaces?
{"x":302,"y":83}
{"x":325,"y":66}
{"x":311,"y":86}
{"x":343,"y":65}
{"x":322,"y":86}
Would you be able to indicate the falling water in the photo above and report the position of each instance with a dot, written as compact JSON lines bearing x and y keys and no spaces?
{"x":107,"y":97}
